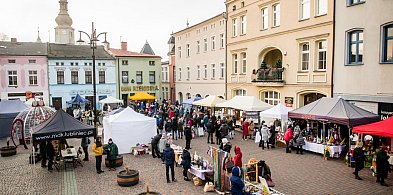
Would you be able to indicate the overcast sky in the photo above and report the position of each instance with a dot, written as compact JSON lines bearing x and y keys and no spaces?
{"x":134,"y":20}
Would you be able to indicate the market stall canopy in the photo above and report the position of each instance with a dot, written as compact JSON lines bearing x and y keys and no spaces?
{"x":191,"y":100}
{"x":381,"y":128}
{"x":77,"y":99}
{"x":129,"y":128}
{"x":279,"y":111}
{"x":142,"y":96}
{"x":210,"y":101}
{"x":62,"y":126}
{"x":9,"y":109}
{"x":111,"y":100}
{"x":245,"y":103}
{"x":334,"y":110}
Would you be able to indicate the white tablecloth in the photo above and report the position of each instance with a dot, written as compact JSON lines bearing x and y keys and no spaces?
{"x":390,"y":159}
{"x":69,"y":152}
{"x":335,"y":151}
{"x":200,"y":173}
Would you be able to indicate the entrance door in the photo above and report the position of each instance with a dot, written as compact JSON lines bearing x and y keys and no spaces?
{"x":309,"y":98}
{"x":57,"y":102}
{"x":124,"y":97}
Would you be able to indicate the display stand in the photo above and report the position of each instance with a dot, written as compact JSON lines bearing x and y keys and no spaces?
{"x":251,"y":174}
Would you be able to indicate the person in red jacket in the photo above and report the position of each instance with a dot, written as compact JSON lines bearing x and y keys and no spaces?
{"x":238,"y":157}
{"x":287,"y":137}
{"x":245,"y":129}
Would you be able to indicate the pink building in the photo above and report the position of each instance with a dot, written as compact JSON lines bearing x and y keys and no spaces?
{"x":23,"y":68}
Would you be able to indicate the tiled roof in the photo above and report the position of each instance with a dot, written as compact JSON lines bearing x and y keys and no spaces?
{"x":123,"y":53}
{"x":146,"y":49}
{"x":23,"y":48}
{"x":76,"y":51}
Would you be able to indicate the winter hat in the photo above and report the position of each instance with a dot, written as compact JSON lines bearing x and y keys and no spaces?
{"x":224,"y":140}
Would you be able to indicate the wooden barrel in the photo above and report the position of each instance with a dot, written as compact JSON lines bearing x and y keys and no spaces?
{"x":7,"y":151}
{"x":118,"y":161}
{"x":127,"y":180}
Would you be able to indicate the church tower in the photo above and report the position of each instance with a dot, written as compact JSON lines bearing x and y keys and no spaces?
{"x":64,"y":33}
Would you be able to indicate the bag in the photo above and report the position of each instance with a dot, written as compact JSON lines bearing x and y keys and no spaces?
{"x":209,"y":187}
{"x":197,"y":181}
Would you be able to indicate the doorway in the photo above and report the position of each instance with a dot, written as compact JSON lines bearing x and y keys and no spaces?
{"x":57,"y":102}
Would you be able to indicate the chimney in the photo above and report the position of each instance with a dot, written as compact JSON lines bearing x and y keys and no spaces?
{"x":124,"y":46}
{"x":13,"y":40}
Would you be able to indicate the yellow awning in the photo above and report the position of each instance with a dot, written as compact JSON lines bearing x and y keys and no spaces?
{"x":142,"y":96}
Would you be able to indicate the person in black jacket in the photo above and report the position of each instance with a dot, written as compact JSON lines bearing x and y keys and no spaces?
{"x":358,"y":154}
{"x":188,"y":135}
{"x":154,"y":146}
{"x":382,"y":166}
{"x":210,"y":131}
{"x":186,"y":162}
{"x":168,"y":156}
{"x":226,"y":145}
{"x":43,"y":153}
{"x":224,"y":129}
{"x":50,"y":153}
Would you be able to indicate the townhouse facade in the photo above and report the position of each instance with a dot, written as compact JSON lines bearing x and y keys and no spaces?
{"x":200,"y":59}
{"x":280,"y":50}
{"x":364,"y":54}
{"x":165,"y":85}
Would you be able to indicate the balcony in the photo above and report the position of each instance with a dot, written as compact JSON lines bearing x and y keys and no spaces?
{"x":268,"y":77}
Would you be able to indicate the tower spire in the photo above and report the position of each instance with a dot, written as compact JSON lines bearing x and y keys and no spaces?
{"x":38,"y":36}
{"x":64,"y":31}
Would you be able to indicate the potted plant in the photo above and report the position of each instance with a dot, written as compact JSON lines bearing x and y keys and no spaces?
{"x":8,"y":150}
{"x":127,"y":178}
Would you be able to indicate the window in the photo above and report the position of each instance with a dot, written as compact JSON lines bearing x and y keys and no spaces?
{"x":124,"y":62}
{"x":305,"y":56}
{"x":276,"y":15}
{"x":76,"y":64}
{"x":240,"y":92}
{"x":57,"y":63}
{"x":139,"y":77}
{"x":174,"y":73}
{"x":179,"y":74}
{"x":188,"y":50}
{"x":198,"y":72}
{"x":242,"y":4}
{"x":72,"y":63}
{"x":387,"y":44}
{"x":74,"y":77}
{"x":355,"y":47}
{"x":12,"y":78}
{"x":101,"y":77}
{"x":124,"y":76}
{"x":11,"y":61}
{"x":205,"y":72}
{"x":213,"y":71}
{"x":271,"y":97}
{"x":198,"y":46}
{"x":235,"y":63}
{"x":179,"y":51}
{"x":60,"y":77}
{"x":243,"y":27}
{"x":322,"y":48}
{"x":152,"y":76}
{"x":234,"y":27}
{"x":265,"y":18}
{"x":222,"y":70}
{"x":32,"y":61}
{"x":165,"y":74}
{"x":204,"y":44}
{"x":321,"y":7}
{"x":354,"y":2}
{"x":222,"y":42}
{"x":90,"y":64}
{"x":188,"y":73}
{"x":33,"y":77}
{"x":103,"y":64}
{"x":152,"y":63}
{"x":244,"y":63}
{"x":62,"y":63}
{"x":85,"y":63}
{"x":213,"y":43}
{"x":88,"y":78}
{"x":304,"y":9}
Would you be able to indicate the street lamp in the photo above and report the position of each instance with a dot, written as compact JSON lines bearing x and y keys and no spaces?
{"x":93,"y":38}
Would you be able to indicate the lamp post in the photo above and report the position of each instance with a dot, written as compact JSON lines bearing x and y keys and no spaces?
{"x":93,"y":38}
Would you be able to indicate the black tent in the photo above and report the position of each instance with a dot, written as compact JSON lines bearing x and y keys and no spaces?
{"x":9,"y":109}
{"x":62,"y":126}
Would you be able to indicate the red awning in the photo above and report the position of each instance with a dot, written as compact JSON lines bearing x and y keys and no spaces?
{"x":381,"y":128}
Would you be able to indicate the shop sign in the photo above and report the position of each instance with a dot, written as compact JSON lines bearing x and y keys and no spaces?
{"x":139,"y":88}
{"x":289,"y":102}
{"x":90,"y":92}
{"x":385,"y":110}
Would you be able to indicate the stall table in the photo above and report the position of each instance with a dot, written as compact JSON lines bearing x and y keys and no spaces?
{"x":200,"y":173}
{"x":335,"y":151}
{"x":70,"y":155}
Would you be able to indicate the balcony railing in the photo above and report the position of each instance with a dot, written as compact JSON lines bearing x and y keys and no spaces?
{"x":268,"y":75}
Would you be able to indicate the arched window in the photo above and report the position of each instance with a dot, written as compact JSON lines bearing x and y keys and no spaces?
{"x":270,"y":97}
{"x":188,"y":95}
{"x":240,"y":92}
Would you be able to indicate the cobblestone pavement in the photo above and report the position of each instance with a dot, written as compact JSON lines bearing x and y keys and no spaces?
{"x":293,"y":174}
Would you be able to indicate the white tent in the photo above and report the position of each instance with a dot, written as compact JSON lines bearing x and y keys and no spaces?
{"x":210,"y":101}
{"x":277,"y":112}
{"x":111,"y":100}
{"x":128,"y":128}
{"x":245,"y":103}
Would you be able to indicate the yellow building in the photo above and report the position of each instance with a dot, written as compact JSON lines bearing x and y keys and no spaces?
{"x":280,"y":50}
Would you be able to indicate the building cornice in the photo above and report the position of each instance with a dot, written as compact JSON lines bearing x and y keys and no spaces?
{"x":268,"y":3}
{"x":239,"y":14}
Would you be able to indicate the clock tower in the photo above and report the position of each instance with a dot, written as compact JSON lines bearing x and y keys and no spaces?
{"x":64,"y":33}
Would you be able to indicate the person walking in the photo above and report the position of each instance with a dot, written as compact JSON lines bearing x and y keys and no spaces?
{"x":264,"y":137}
{"x":188,"y":136}
{"x":210,"y":131}
{"x":237,"y":185}
{"x":287,"y":138}
{"x":186,"y":163}
{"x":112,"y":153}
{"x":382,"y":165}
{"x":168,"y":157}
{"x":154,"y":146}
{"x":50,"y":154}
{"x":98,"y":149}
{"x":299,"y":143}
{"x":358,"y":154}
{"x":85,"y":145}
{"x":238,"y":157}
